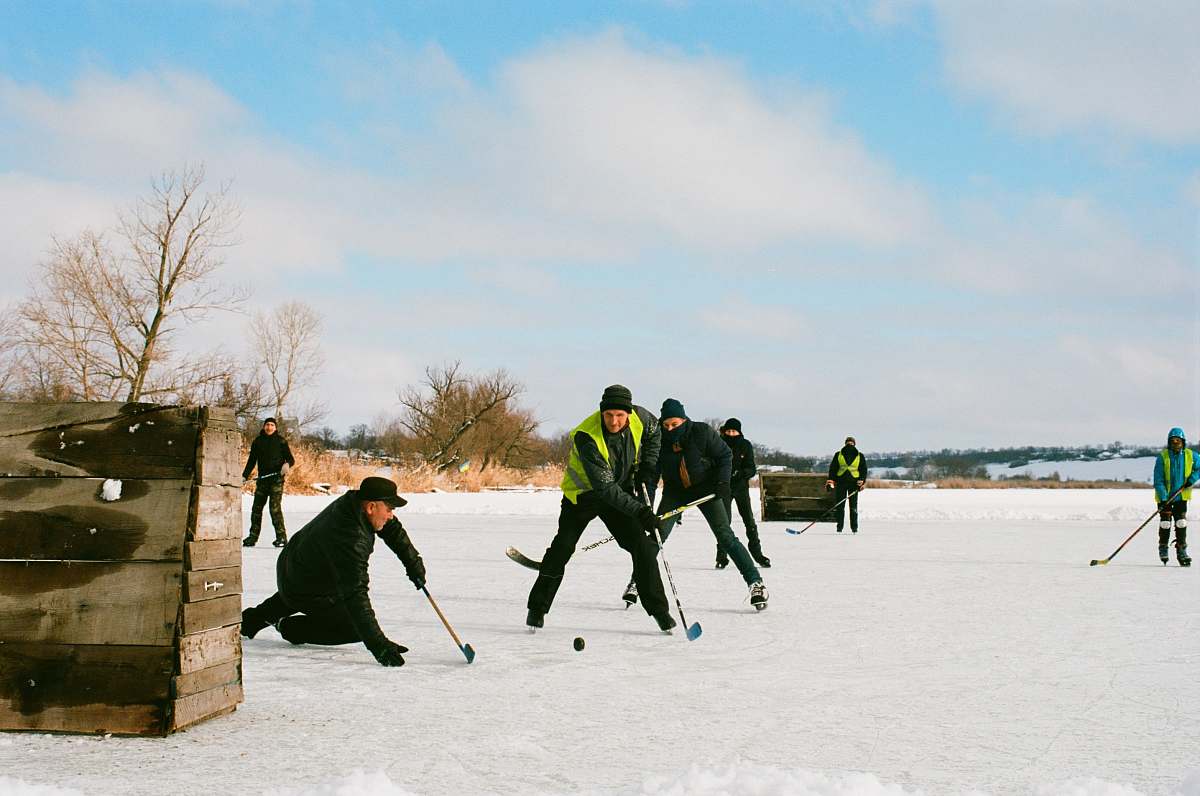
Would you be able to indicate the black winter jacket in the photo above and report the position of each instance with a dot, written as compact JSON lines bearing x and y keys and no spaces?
{"x":325,"y":563}
{"x":269,"y":452}
{"x":849,"y":452}
{"x":708,"y":459}
{"x":614,"y":482}
{"x":743,"y":468}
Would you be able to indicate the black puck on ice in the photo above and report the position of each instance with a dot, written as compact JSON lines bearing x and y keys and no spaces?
{"x":578,"y":643}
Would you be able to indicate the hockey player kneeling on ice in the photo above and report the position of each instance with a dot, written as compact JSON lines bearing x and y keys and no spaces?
{"x":1175,"y":470}
{"x":695,"y":462}
{"x":322,"y":577}
{"x":614,"y":453}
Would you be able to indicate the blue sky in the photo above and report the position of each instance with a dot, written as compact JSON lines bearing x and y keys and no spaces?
{"x":928,"y":224}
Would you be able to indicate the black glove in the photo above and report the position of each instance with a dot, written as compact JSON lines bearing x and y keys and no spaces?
{"x":647,"y":520}
{"x":390,"y":654}
{"x":417,"y":574}
{"x":723,"y":493}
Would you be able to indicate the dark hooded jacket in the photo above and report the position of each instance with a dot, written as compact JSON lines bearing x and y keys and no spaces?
{"x":325,"y":564}
{"x":707,"y":459}
{"x":743,"y":467}
{"x":615,"y":482}
{"x":268,"y":452}
{"x":850,"y":452}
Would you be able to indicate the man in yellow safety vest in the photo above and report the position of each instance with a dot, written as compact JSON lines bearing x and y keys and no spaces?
{"x":614,"y":456}
{"x":848,"y":476}
{"x":1175,"y":470}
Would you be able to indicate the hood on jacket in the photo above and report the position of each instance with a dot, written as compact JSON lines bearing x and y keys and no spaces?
{"x":1177,"y":432}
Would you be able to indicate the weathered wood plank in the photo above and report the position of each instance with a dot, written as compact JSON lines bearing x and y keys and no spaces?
{"x":793,"y":484}
{"x":216,"y":513}
{"x":22,"y":417}
{"x":205,"y":705}
{"x":89,"y":602}
{"x":218,"y":458}
{"x":194,"y":682}
{"x":66,"y":518}
{"x":209,"y":584}
{"x":209,"y":648}
{"x":84,"y":440}
{"x":67,"y":687}
{"x":210,"y":614}
{"x":212,"y":554}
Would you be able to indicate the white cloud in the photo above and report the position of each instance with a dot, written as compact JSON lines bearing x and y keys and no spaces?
{"x":1072,"y":65}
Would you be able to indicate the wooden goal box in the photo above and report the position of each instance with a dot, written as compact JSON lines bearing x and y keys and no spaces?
{"x":120,"y":567}
{"x":794,"y":496}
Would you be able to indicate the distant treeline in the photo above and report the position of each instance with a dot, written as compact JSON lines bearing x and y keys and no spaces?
{"x":928,"y":465}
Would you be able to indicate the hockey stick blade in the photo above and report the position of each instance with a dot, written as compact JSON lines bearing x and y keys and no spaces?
{"x":694,"y":631}
{"x":469,"y":652}
{"x":522,"y":559}
{"x":1100,"y":561}
{"x":793,"y":531}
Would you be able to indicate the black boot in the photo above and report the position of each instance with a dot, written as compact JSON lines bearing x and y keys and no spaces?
{"x":280,"y":540}
{"x":1164,"y":538}
{"x":631,"y":595}
{"x":252,"y":622}
{"x":1181,"y":553}
{"x":756,"y":550}
{"x":250,"y":540}
{"x":665,"y":622}
{"x":722,"y":559}
{"x":535,"y":618}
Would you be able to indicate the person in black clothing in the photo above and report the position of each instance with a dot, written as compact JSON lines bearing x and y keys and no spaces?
{"x":321,"y":574}
{"x":271,"y":454}
{"x":694,"y":462}
{"x":847,"y":476}
{"x":743,"y":469}
{"x":614,"y":453}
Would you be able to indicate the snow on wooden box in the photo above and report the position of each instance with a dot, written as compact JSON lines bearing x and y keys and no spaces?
{"x":120,"y":570}
{"x":794,"y":496}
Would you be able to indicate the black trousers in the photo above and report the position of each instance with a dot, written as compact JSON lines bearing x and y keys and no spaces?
{"x":268,"y":490}
{"x":1175,"y":511}
{"x":840,"y":491}
{"x":329,"y":625}
{"x":740,"y":494}
{"x":572,"y":520}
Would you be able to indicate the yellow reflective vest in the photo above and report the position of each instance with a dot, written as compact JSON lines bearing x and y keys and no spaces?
{"x":575,"y":481}
{"x":851,"y":468}
{"x":1189,"y":458}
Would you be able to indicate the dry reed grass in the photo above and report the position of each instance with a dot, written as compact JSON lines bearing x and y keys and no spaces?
{"x":319,"y":467}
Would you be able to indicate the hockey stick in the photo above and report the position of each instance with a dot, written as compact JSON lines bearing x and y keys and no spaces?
{"x":259,"y":478}
{"x":1104,"y":561}
{"x":794,"y":532}
{"x":691,"y":631}
{"x":525,"y":561}
{"x":466,"y":648}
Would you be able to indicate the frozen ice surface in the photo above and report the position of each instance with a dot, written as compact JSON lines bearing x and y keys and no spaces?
{"x":959,"y":644}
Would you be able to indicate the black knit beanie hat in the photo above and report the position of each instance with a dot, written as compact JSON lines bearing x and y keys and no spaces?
{"x":732,"y":424}
{"x":617,"y":396}
{"x":672,"y":408}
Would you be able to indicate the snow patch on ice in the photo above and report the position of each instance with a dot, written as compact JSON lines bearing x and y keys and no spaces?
{"x":360,"y":783}
{"x":111,"y":490}
{"x":746,"y":778}
{"x":19,"y":787}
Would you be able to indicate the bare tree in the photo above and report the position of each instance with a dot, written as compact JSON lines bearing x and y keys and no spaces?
{"x":453,"y":416}
{"x":288,"y":344}
{"x":103,"y":320}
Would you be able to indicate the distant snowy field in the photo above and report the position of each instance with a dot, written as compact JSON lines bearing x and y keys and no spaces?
{"x":1138,"y":469}
{"x":959,"y":644}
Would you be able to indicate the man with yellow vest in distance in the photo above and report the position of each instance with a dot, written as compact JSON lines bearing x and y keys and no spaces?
{"x":614,"y":455}
{"x":848,"y":476}
{"x":1175,"y":470}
